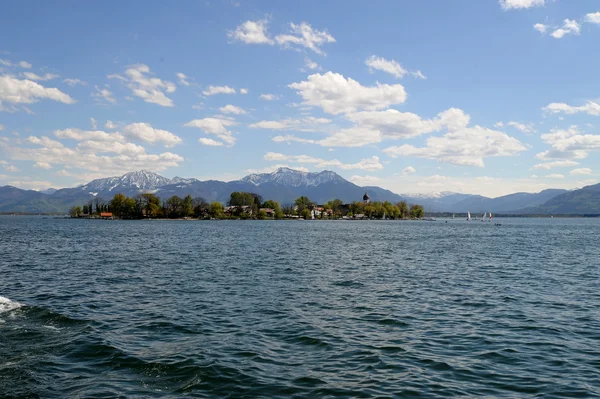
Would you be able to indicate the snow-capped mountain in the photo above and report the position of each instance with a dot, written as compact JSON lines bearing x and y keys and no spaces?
{"x":142,"y":180}
{"x":293,"y":178}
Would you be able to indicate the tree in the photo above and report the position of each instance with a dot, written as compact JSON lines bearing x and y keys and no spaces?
{"x":187,"y":206}
{"x":199,"y":206}
{"x":336,"y":206}
{"x":288,"y":210}
{"x":85,"y":209}
{"x":303,"y":203}
{"x":75,"y":211}
{"x":150,"y":205}
{"x":215,"y":210}
{"x":261,"y":215}
{"x":403,"y":208}
{"x":276,"y":207}
{"x":305,"y":213}
{"x":117,"y":205}
{"x":175,"y":207}
{"x":416,"y":211}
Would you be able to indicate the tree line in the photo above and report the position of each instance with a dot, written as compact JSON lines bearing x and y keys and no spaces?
{"x":242,"y":205}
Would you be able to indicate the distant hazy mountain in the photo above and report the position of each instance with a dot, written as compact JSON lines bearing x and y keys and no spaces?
{"x":285,"y":185}
{"x":586,"y":200}
{"x":49,"y":191}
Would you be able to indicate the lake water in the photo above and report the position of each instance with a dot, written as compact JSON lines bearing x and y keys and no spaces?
{"x":284,"y":309}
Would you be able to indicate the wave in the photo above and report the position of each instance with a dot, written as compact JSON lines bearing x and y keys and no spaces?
{"x":6,"y":305}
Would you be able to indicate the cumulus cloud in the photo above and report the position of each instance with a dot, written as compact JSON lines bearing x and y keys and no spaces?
{"x":336,"y":94}
{"x":555,"y":176}
{"x":74,"y":82}
{"x":212,"y":90}
{"x":369,"y":164}
{"x":555,"y":164}
{"x":392,"y":67}
{"x":25,"y":64}
{"x":273,"y":168}
{"x":569,"y":144}
{"x":215,"y":126}
{"x":183,"y":79}
{"x":42,"y":165}
{"x":210,"y":142}
{"x":365,"y":180}
{"x":243,"y":91}
{"x":593,"y":18}
{"x":520,"y":4}
{"x":310,"y":64}
{"x":251,"y":32}
{"x":94,"y":123}
{"x":308,"y":124}
{"x":408,"y":170}
{"x":232,"y":109}
{"x":16,"y":91}
{"x":466,"y":146}
{"x":541,"y":28}
{"x":303,"y":35}
{"x":145,"y":132}
{"x":590,"y":108}
{"x":110,"y":125}
{"x":144,"y":85}
{"x":103,"y":94}
{"x":581,"y":171}
{"x":570,"y":27}
{"x":523,"y":127}
{"x":269,"y":97}
{"x":108,"y":157}
{"x":33,"y":76}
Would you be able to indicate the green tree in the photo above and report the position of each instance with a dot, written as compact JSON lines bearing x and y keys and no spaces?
{"x":403,"y":208}
{"x":276,"y":207}
{"x":150,"y":205}
{"x":336,"y":207}
{"x":188,"y":206}
{"x":75,"y":211}
{"x":199,"y":206}
{"x":305,"y":213}
{"x":261,"y":215}
{"x":416,"y":211}
{"x":117,"y":205}
{"x":175,"y":207}
{"x":303,"y":203}
{"x":215,"y":210}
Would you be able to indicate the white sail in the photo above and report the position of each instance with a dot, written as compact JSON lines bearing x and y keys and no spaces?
{"x":468,"y":215}
{"x":483,"y":217}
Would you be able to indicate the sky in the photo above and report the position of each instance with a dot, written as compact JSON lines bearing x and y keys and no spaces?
{"x":485,"y":97}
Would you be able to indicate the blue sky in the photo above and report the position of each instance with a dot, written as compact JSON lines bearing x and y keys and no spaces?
{"x":479,"y":96}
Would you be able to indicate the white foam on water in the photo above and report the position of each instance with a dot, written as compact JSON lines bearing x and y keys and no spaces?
{"x":6,"y":305}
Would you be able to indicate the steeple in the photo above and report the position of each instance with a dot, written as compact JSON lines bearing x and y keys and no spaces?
{"x":366,"y":199}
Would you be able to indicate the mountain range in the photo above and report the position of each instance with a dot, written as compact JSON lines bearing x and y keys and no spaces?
{"x":285,"y":185}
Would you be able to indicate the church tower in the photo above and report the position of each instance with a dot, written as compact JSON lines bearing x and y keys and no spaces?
{"x":366,"y":199}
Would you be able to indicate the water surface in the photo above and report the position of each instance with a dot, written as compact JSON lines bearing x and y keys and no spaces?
{"x":299,"y":309}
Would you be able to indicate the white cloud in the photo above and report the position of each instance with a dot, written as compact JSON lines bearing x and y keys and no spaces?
{"x":303,"y":35}
{"x":467,"y":147}
{"x":310,"y":64}
{"x":104,"y":94}
{"x":25,"y":64}
{"x":251,"y":32}
{"x":590,"y":108}
{"x":335,"y":94}
{"x":408,"y":170}
{"x":212,"y":90}
{"x":290,"y":138}
{"x":243,"y":91}
{"x":74,"y":82}
{"x":541,"y":28}
{"x":8,"y":167}
{"x":33,"y":76}
{"x":520,"y":4}
{"x":107,"y":157}
{"x":499,"y":124}
{"x":273,"y":168}
{"x":232,"y":109}
{"x":523,"y":127}
{"x":569,"y":27}
{"x":145,"y":132}
{"x":365,"y":180}
{"x":209,"y":142}
{"x":182,"y":79}
{"x":42,"y":165}
{"x":308,"y":124}
{"x":83,"y":135}
{"x":381,"y":64}
{"x":110,"y":125}
{"x":419,"y":75}
{"x":555,"y":176}
{"x":555,"y":164}
{"x":215,"y":126}
{"x":269,"y":97}
{"x":94,"y":123}
{"x":593,"y":18}
{"x":18,"y":91}
{"x":569,"y":144}
{"x":369,"y":164}
{"x":151,"y":89}
{"x":581,"y":171}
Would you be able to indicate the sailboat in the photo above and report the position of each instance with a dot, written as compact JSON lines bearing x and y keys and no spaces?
{"x":483,"y":217}
{"x":490,"y":217}
{"x":452,"y":216}
{"x":468,"y":216}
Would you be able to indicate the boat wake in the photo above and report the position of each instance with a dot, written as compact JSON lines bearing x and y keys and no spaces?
{"x":6,"y":305}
